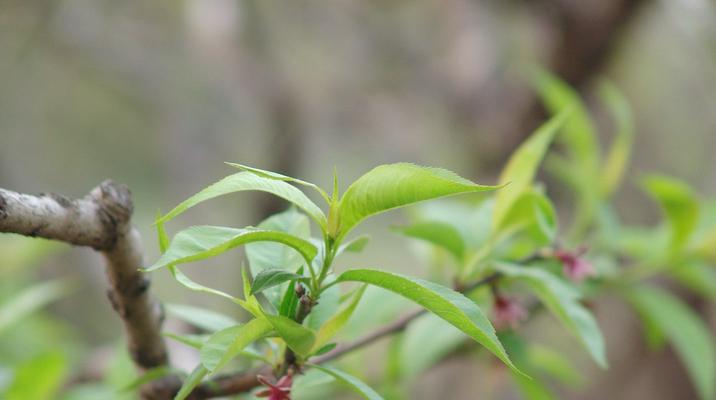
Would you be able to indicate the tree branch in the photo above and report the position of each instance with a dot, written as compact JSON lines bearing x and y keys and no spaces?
{"x":245,"y":381}
{"x":101,"y":220}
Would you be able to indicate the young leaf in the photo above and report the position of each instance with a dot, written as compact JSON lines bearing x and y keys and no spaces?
{"x":679,"y":204}
{"x":355,"y":245}
{"x":195,"y":286}
{"x":244,"y":181}
{"x":297,"y":337}
{"x":333,"y":325}
{"x":449,"y":305}
{"x":195,"y":341}
{"x":207,"y":320}
{"x":39,"y":378}
{"x":281,"y":177}
{"x":201,"y":242}
{"x":226,"y":344}
{"x":351,"y":381}
{"x":30,"y":300}
{"x":691,"y":338}
{"x":534,"y":213}
{"x":289,"y":301}
{"x":563,"y":301}
{"x":616,"y":161}
{"x":391,"y":186}
{"x":148,"y":376}
{"x":266,"y":255}
{"x":522,"y":167}
{"x":273,"y":277}
{"x":438,"y":233}
{"x":192,"y":381}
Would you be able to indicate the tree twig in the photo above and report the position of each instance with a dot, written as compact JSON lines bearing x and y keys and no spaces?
{"x":101,"y":220}
{"x":245,"y":381}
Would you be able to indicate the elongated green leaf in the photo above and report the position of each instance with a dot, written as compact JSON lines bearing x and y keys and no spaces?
{"x":39,"y":378}
{"x":244,"y":181}
{"x":226,"y":344}
{"x":336,"y":322}
{"x":698,"y":277}
{"x":29,"y":300}
{"x":199,"y":317}
{"x":355,"y":245}
{"x":201,"y":242}
{"x":449,"y":305}
{"x":581,"y":166}
{"x":522,"y":167}
{"x":281,"y":177}
{"x":532,"y":212}
{"x":438,"y":233}
{"x":192,"y":381}
{"x":273,"y":277}
{"x":563,"y":301}
{"x":149,"y":376}
{"x":195,"y":286}
{"x":679,"y":204}
{"x":195,"y":341}
{"x":267,"y":255}
{"x":396,"y":185}
{"x":297,"y":337}
{"x":351,"y":381}
{"x":618,"y":157}
{"x":691,"y":338}
{"x":289,"y":301}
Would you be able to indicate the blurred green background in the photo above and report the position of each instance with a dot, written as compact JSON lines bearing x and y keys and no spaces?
{"x":159,"y":94}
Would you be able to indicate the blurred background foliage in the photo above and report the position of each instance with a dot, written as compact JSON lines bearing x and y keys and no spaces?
{"x":158,"y":94}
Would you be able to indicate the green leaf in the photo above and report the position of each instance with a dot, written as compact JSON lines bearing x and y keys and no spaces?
{"x":351,"y":381}
{"x":439,"y":234}
{"x":522,"y":167}
{"x":563,"y":301}
{"x":39,"y":378}
{"x":580,"y":168}
{"x":195,"y":286}
{"x":201,"y":242}
{"x":534,"y":213}
{"x":192,"y":381}
{"x":396,"y":185}
{"x":419,"y":350}
{"x":267,"y":255}
{"x":329,"y":329}
{"x":678,"y":203}
{"x":195,"y":341}
{"x":273,"y":277}
{"x":618,"y":157}
{"x":691,"y":338}
{"x":149,"y":376}
{"x":328,"y":305}
{"x":554,"y":364}
{"x":355,"y":245}
{"x":30,"y":300}
{"x":297,"y":337}
{"x":280,"y":177}
{"x":207,"y":320}
{"x":226,"y":344}
{"x":449,"y":305}
{"x":244,"y":181}
{"x":698,"y":277}
{"x":289,"y":301}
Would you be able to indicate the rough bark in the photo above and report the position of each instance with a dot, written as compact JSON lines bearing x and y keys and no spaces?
{"x":101,"y":220}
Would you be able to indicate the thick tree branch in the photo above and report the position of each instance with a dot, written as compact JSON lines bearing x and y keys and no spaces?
{"x":101,"y":220}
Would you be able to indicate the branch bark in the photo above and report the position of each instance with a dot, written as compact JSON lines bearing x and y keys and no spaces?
{"x":101,"y":220}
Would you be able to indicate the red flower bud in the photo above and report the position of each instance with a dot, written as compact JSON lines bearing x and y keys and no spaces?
{"x":508,"y":313}
{"x":281,"y":390}
{"x":576,"y":267}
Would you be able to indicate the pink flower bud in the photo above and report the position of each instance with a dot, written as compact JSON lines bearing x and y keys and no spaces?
{"x":279,"y":391}
{"x":508,"y":313}
{"x":575,"y":266}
